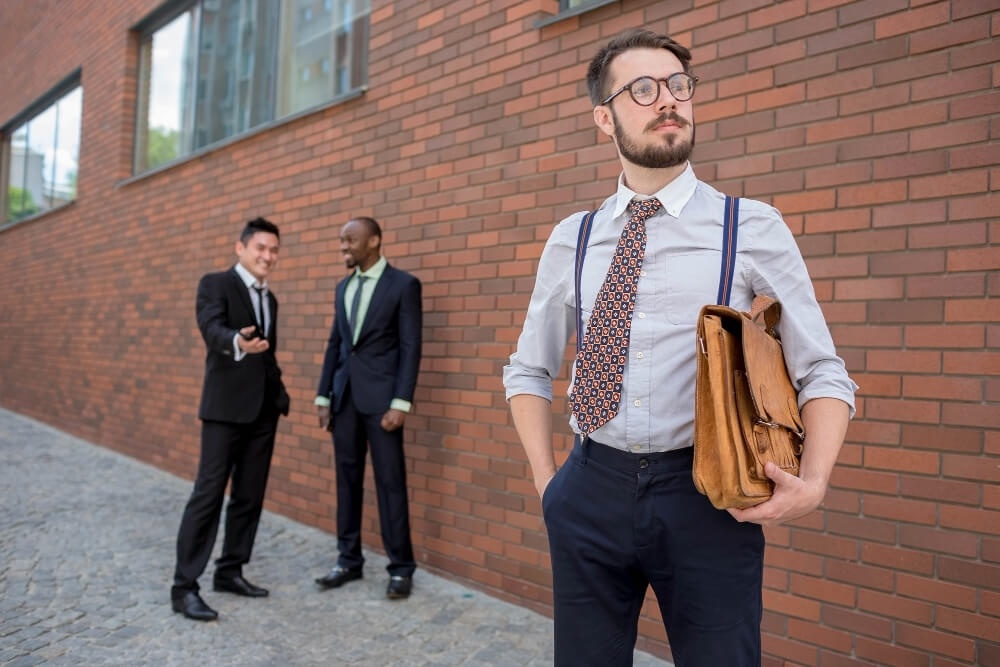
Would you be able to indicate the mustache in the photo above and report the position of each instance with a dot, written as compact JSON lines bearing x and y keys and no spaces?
{"x":662,"y":118}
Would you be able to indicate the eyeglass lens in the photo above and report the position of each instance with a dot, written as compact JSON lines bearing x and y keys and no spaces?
{"x":646,"y":89}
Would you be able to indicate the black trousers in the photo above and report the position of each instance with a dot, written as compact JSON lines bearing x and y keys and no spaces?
{"x":353,"y":431}
{"x":242,"y":452}
{"x":621,"y":522}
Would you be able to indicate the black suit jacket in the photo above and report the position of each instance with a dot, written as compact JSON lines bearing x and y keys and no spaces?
{"x":234,"y":391}
{"x":383,"y":364}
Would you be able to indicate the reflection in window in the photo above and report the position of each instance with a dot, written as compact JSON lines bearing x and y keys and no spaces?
{"x":44,"y":155}
{"x":224,"y":67}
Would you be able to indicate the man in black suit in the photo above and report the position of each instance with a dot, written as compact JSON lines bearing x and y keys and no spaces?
{"x":365,"y":392}
{"x":241,"y":400}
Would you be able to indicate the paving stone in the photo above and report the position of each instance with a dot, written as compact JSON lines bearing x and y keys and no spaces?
{"x":86,"y":559}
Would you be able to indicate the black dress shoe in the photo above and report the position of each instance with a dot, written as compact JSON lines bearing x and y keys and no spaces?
{"x":192,"y":606}
{"x":399,"y":587}
{"x":239,"y":586}
{"x":339,"y":576}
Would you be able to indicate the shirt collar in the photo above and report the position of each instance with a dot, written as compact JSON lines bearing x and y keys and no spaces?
{"x":248,"y":278}
{"x":375,"y":272}
{"x":674,"y":195}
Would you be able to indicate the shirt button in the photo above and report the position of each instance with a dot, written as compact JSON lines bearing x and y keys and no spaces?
{"x":637,"y":404}
{"x":642,"y":272}
{"x":642,"y":316}
{"x":640,"y":355}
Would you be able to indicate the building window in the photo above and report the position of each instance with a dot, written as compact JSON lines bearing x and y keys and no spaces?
{"x":220,"y":68}
{"x":42,"y":152}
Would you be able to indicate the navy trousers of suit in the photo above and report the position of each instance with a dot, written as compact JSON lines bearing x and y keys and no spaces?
{"x":352,"y":433}
{"x":242,"y":451}
{"x":620,"y":522}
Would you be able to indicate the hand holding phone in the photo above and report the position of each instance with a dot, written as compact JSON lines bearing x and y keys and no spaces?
{"x":250,"y":332}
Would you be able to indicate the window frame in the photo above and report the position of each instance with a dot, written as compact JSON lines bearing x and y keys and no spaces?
{"x":566,"y":11}
{"x":160,"y":18}
{"x":40,"y":105}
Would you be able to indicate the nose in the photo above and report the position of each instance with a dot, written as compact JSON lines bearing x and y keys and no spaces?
{"x":664,"y":99}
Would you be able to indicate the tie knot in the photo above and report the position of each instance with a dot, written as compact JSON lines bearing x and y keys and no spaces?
{"x":643,"y":208}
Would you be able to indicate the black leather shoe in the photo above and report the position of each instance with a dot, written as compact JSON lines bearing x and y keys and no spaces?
{"x":399,"y":587}
{"x":339,"y":576}
{"x":192,"y":606}
{"x":239,"y":586}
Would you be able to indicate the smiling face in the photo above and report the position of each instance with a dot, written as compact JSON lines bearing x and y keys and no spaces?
{"x":259,"y":254}
{"x":358,"y":245}
{"x":655,"y":137}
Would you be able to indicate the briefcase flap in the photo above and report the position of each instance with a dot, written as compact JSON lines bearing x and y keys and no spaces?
{"x":773,"y":395}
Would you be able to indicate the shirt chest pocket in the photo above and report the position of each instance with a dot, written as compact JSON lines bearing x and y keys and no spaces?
{"x":692,"y":282}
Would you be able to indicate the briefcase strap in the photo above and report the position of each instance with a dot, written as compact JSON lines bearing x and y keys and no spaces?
{"x":581,"y":251}
{"x":730,"y":230}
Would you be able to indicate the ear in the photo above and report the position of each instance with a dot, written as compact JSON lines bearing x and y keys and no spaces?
{"x":603,"y":120}
{"x":239,"y":248}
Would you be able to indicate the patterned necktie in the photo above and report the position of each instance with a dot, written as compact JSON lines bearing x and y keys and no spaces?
{"x":600,"y":363}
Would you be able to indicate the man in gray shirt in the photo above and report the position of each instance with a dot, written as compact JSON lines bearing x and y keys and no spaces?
{"x":622,"y":513}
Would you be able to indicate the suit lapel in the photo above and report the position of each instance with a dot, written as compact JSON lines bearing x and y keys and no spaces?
{"x":243,"y":294}
{"x":382,"y":287}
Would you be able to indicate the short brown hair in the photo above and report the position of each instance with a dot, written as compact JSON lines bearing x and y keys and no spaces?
{"x":636,"y":38}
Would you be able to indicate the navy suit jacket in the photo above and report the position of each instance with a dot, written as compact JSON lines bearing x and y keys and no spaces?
{"x":383,"y":364}
{"x":234,"y":391}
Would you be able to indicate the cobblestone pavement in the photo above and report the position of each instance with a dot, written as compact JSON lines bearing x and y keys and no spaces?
{"x":86,"y":558}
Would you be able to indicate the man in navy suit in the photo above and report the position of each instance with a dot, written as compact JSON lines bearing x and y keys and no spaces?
{"x":365,"y":392}
{"x":241,"y":399}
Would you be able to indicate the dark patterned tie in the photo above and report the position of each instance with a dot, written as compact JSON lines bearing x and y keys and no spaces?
{"x":355,"y":305}
{"x":600,"y":363}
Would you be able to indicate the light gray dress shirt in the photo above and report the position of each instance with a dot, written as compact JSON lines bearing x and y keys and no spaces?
{"x":680,"y":274}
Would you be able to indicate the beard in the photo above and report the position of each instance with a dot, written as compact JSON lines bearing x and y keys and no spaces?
{"x":671,"y":153}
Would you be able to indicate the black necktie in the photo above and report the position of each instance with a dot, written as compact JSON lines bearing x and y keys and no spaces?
{"x":258,"y":308}
{"x":355,"y":304}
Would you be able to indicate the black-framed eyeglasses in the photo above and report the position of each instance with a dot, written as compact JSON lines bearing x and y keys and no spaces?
{"x":646,"y":89}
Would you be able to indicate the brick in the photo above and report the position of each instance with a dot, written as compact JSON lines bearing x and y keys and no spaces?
{"x":911,"y":68}
{"x":912,"y":21}
{"x":957,"y":32}
{"x":890,"y":654}
{"x":945,"y":86}
{"x":940,"y":643}
{"x":932,"y":590}
{"x":811,"y":24}
{"x":971,"y":573}
{"x":935,"y":539}
{"x":861,"y":624}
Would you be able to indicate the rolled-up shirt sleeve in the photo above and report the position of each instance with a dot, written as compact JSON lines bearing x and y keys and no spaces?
{"x":551,"y":319}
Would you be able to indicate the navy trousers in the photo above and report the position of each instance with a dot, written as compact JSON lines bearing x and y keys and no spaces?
{"x":620,"y":522}
{"x":353,"y":431}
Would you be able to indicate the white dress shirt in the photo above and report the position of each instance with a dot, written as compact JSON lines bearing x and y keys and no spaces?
{"x":680,"y":274}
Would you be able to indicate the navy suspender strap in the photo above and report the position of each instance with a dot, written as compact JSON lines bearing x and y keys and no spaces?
{"x":727,"y":270}
{"x":581,"y":252}
{"x":730,"y":230}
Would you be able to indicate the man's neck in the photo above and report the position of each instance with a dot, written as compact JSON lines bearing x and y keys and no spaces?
{"x":645,"y":181}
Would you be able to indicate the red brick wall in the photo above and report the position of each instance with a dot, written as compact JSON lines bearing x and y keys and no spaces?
{"x":873,"y":125}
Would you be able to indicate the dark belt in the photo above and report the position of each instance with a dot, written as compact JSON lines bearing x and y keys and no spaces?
{"x":619,"y":459}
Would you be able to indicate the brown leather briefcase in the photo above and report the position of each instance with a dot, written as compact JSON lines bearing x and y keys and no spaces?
{"x":746,"y":409}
